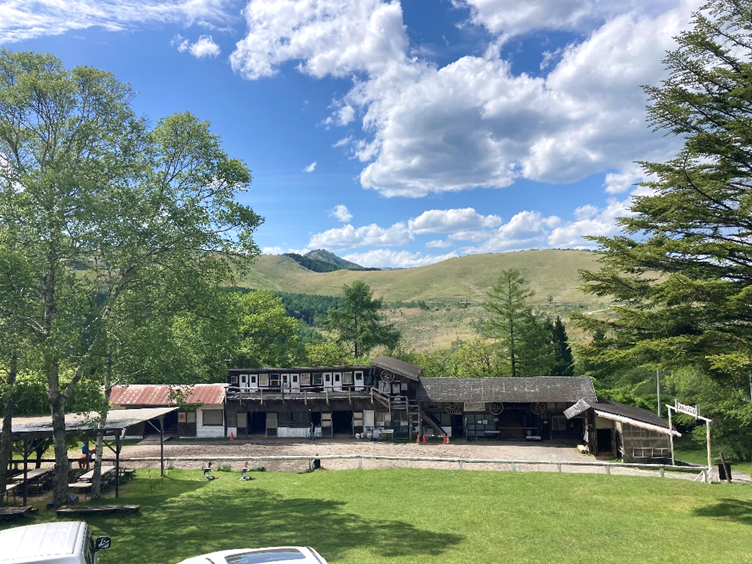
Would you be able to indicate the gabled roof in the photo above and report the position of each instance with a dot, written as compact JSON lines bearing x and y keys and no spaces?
{"x":399,"y":367}
{"x":622,"y":412}
{"x":165,"y":394}
{"x":512,"y":390}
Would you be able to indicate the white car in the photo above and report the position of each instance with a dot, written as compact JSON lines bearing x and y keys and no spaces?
{"x":51,"y":543}
{"x":275,"y":554}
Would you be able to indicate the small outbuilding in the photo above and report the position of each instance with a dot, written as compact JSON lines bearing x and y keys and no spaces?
{"x":623,"y":431}
{"x":201,"y":410}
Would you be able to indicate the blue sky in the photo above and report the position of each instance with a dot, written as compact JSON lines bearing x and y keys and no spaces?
{"x":395,"y":133}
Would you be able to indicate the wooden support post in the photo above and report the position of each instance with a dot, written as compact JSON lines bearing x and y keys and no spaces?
{"x":558,"y":467}
{"x":671,"y":435}
{"x":117,"y":463}
{"x":161,"y":446}
{"x":608,"y":469}
{"x":260,"y":463}
{"x":662,"y":472}
{"x":420,"y":420}
{"x":26,"y":471}
{"x":460,"y":464}
{"x":360,"y":463}
{"x":514,"y":467}
{"x":707,"y":432}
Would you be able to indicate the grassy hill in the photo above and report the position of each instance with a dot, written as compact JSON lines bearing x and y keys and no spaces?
{"x":551,"y":273}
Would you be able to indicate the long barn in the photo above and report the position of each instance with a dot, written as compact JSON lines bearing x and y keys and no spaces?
{"x":390,"y":395}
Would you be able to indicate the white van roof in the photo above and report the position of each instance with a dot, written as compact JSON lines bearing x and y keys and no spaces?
{"x":46,"y":542}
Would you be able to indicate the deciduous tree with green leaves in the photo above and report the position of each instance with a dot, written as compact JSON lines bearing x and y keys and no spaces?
{"x":358,"y":322}
{"x":101,"y":202}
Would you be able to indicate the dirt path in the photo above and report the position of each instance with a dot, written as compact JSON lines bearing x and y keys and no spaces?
{"x":322,"y":448}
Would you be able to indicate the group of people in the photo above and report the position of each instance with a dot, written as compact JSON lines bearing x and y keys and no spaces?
{"x":243,"y":472}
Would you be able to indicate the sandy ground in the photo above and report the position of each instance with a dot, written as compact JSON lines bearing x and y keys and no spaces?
{"x":220,"y":451}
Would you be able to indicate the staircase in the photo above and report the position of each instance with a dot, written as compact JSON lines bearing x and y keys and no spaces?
{"x":433,"y":422}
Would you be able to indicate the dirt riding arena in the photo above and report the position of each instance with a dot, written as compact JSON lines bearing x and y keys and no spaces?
{"x":225,"y":452}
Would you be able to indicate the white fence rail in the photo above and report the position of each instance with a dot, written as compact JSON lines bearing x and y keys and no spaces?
{"x":461,"y":462}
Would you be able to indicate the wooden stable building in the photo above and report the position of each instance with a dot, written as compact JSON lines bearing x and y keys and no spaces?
{"x":390,"y":395}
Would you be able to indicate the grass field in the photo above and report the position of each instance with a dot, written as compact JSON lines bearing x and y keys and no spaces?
{"x":431,"y":516}
{"x":551,"y":273}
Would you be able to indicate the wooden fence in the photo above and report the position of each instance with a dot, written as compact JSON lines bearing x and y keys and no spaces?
{"x":461,"y":462}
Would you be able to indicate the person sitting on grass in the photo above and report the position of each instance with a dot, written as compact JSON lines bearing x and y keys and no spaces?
{"x":208,"y":472}
{"x":244,"y":473}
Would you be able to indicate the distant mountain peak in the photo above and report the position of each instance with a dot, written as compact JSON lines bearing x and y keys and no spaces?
{"x":321,"y":260}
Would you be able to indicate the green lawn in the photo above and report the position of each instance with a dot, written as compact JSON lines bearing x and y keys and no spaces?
{"x":431,"y":516}
{"x":699,"y":455}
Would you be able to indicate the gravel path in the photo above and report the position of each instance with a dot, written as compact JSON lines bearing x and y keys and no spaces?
{"x":326,"y":447}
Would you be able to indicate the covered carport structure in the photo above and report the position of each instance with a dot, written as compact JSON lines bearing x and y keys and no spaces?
{"x":27,"y":429}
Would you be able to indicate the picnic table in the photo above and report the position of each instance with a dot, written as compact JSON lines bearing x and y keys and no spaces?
{"x":32,"y":475}
{"x":10,"y":488}
{"x":89,"y":476}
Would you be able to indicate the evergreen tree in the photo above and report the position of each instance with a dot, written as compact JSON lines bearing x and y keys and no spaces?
{"x":563,"y":362}
{"x":507,"y":304}
{"x":682,"y":273}
{"x":358,"y":322}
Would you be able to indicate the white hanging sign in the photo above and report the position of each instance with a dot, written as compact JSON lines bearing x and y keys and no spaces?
{"x":694,"y":411}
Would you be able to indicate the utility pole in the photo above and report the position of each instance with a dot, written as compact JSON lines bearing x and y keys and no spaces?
{"x":658,"y":387}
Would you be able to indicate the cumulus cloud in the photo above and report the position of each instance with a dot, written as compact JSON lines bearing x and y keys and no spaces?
{"x":475,"y":122}
{"x":590,"y":221}
{"x":28,"y":19}
{"x":347,"y":237}
{"x":449,"y":221}
{"x":327,"y":37}
{"x":272,"y":251}
{"x":385,"y":258}
{"x":341,"y":213}
{"x":311,"y":167}
{"x":204,"y":47}
{"x":526,"y":230}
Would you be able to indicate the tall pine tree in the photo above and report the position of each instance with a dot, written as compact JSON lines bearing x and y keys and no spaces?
{"x":563,"y":364}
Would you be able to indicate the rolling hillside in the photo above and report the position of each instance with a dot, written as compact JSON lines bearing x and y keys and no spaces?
{"x":551,"y":273}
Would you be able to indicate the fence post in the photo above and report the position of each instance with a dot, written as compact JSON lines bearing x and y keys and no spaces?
{"x":360,"y":463}
{"x":260,"y":463}
{"x":608,"y":469}
{"x":558,"y":467}
{"x":460,"y":463}
{"x":514,"y":467}
{"x":661,"y":472}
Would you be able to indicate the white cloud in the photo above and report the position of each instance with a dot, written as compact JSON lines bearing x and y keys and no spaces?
{"x":385,"y":258}
{"x":618,"y":182}
{"x":475,"y":236}
{"x":590,"y":221}
{"x":272,"y":251}
{"x":204,"y":47}
{"x":526,"y":230}
{"x":347,"y":237}
{"x":449,"y":221}
{"x":438,"y":244}
{"x":474,"y":122}
{"x":328,"y":37}
{"x":512,"y":17}
{"x":27,"y":19}
{"x":311,"y":167}
{"x":341,"y":213}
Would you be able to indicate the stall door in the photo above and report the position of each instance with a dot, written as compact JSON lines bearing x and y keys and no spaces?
{"x":368,"y":419}
{"x":271,"y":424}
{"x":337,"y":381}
{"x":295,"y":382}
{"x":358,"y":381}
{"x":285,"y":382}
{"x":327,"y":380}
{"x":253,"y":381}
{"x":244,"y":380}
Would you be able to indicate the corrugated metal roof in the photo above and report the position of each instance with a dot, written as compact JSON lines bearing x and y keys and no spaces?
{"x":117,"y":419}
{"x":512,"y":390}
{"x":165,"y":394}
{"x":397,"y":366}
